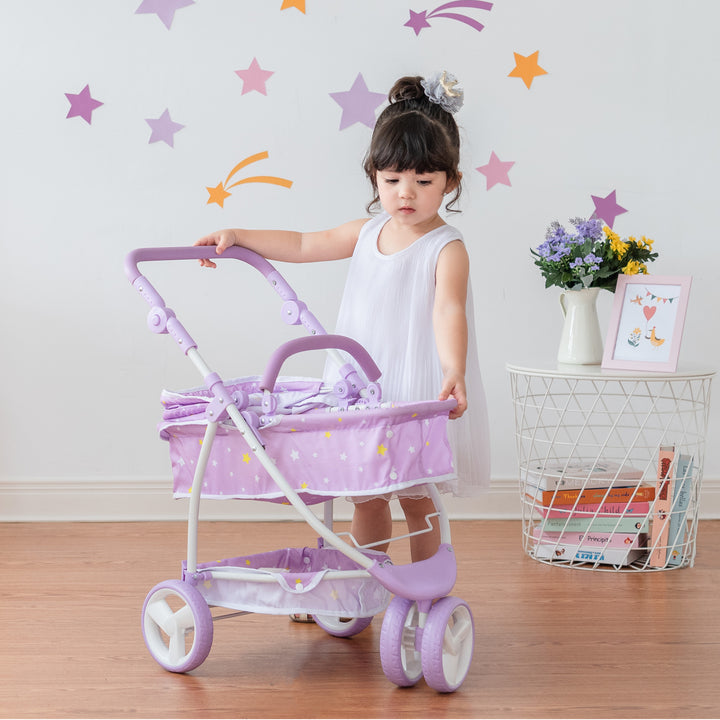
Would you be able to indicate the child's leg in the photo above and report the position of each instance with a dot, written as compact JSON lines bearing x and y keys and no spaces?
{"x":425,"y":545}
{"x":372,"y":521}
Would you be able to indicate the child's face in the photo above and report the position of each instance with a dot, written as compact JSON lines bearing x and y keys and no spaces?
{"x":410,"y":197}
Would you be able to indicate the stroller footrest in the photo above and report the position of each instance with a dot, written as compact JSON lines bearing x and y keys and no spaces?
{"x":424,"y":580}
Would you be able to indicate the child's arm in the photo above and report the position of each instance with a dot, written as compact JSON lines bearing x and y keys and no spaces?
{"x":450,"y":321}
{"x":287,"y":245}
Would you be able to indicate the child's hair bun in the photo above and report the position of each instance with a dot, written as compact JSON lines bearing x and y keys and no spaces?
{"x":407,"y":88}
{"x":418,"y":92}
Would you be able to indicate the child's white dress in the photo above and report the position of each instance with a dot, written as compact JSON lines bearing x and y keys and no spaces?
{"x":387,"y":307}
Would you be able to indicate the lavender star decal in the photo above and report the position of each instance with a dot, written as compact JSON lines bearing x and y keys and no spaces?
{"x":164,"y":9}
{"x":607,"y":208}
{"x":82,"y":104}
{"x":358,"y":104}
{"x":163,"y":128}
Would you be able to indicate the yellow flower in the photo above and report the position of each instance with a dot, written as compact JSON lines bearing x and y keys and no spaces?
{"x":646,"y":243}
{"x":634,"y":267}
{"x":610,"y":234}
{"x":618,"y":246}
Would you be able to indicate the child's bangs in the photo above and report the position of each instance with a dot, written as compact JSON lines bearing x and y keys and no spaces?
{"x":404,"y":147}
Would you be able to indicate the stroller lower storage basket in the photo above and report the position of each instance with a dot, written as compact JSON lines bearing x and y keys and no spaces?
{"x":324,"y":452}
{"x":314,"y":580}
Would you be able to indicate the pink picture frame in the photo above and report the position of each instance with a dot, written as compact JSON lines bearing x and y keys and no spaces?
{"x":646,"y":323}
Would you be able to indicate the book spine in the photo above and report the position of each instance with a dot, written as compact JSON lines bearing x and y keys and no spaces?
{"x":662,"y":508}
{"x":597,"y":524}
{"x":642,"y":493}
{"x":681,"y":503}
{"x":610,"y":509}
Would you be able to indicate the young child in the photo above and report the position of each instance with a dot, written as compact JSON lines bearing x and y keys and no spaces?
{"x":407,"y":297}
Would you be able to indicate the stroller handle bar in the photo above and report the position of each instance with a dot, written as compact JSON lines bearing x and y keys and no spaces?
{"x":318,"y":342}
{"x":162,"y":319}
{"x":192,"y":253}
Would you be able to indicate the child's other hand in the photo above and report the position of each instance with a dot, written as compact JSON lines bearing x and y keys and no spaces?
{"x":454,"y":386}
{"x":223,"y":239}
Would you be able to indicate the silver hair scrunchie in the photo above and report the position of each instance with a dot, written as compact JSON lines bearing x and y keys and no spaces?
{"x":441,"y":89}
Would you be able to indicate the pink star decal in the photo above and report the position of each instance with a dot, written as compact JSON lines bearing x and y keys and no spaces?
{"x":254,"y":78}
{"x":496,"y":171}
{"x":607,"y":208}
{"x":164,"y":9}
{"x":163,"y":128}
{"x":82,"y":104}
{"x":358,"y":104}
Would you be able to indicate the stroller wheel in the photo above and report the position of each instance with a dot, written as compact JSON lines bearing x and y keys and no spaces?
{"x":447,"y":644}
{"x":342,"y":627}
{"x":177,"y":626}
{"x":400,"y":659}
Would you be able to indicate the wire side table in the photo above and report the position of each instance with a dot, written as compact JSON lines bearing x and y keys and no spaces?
{"x":588,"y":446}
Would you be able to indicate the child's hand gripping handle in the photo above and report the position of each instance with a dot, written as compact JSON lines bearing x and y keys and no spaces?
{"x":318,"y":342}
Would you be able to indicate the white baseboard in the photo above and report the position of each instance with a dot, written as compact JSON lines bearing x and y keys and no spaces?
{"x":139,"y":499}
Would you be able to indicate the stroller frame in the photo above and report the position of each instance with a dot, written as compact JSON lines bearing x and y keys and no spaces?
{"x":424,"y":632}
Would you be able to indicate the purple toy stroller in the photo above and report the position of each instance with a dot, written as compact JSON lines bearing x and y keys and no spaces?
{"x":303,"y":441}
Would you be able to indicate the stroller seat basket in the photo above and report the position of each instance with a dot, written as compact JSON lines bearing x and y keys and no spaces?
{"x":325,"y":452}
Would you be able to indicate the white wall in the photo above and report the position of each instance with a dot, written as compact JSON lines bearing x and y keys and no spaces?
{"x":629,"y":104}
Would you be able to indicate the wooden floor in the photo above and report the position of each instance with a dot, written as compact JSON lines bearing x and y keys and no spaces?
{"x":550,"y":641}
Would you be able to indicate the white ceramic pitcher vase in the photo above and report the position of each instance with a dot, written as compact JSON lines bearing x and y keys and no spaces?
{"x":580,"y":342}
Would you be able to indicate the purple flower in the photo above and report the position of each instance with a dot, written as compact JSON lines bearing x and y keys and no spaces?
{"x":588,"y":229}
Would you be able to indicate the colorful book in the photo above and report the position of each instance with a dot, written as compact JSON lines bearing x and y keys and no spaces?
{"x":573,"y":475}
{"x":608,"y":509}
{"x":637,"y":493}
{"x":680,"y":505}
{"x":592,"y":539}
{"x":597,"y":524}
{"x":609,"y":556}
{"x":566,"y":546}
{"x":662,"y":508}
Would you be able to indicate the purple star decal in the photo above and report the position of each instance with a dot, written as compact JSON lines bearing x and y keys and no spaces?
{"x":607,"y":208}
{"x":82,"y":104}
{"x":417,"y":21}
{"x":164,"y":9}
{"x":496,"y":171}
{"x":163,"y":128}
{"x":358,"y":104}
{"x":254,"y":78}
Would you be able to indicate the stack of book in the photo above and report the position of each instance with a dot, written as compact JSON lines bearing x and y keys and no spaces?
{"x":597,"y":512}
{"x":602,"y":512}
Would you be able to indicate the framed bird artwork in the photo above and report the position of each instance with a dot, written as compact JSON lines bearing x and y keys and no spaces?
{"x":646,"y":323}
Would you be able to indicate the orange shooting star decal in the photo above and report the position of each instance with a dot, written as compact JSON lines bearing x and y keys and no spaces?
{"x":219,"y":193}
